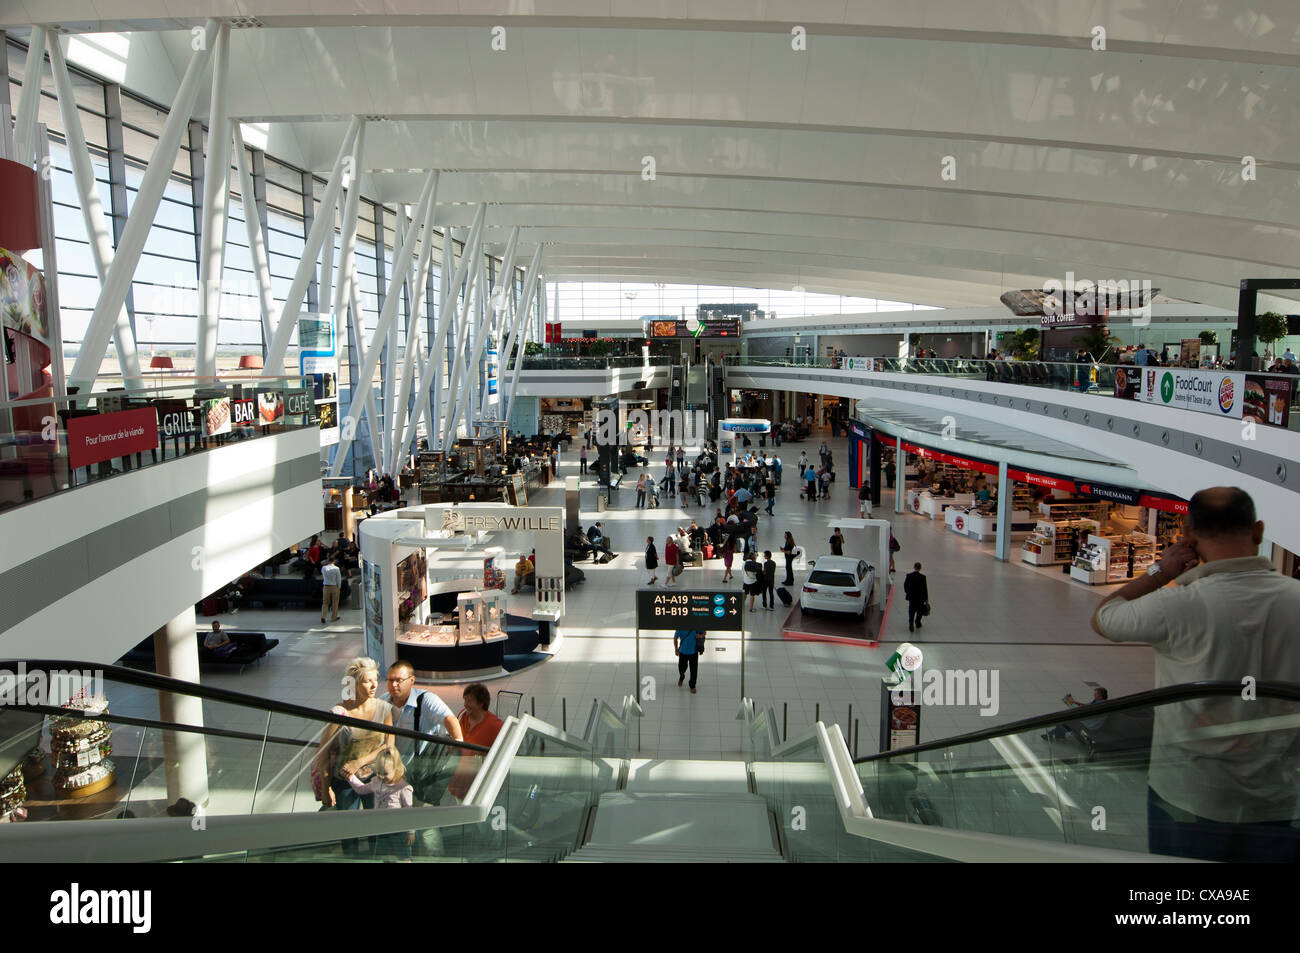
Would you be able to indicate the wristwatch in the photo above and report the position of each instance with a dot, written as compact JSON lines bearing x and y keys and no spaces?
{"x":1154,"y":570}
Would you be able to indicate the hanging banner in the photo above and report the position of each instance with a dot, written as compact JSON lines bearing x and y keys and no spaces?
{"x":318,"y":361}
{"x":865,"y":365}
{"x":99,"y":437}
{"x":1208,"y":392}
{"x":492,"y":376}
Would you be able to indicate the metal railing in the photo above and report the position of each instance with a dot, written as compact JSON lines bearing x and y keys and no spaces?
{"x":191,"y":415}
{"x":1096,"y":379}
{"x":542,"y":362}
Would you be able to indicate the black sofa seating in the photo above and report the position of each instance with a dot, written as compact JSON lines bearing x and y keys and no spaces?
{"x":280,"y":591}
{"x":251,"y":647}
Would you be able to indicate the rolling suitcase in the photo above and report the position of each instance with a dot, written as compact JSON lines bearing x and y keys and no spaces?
{"x":783,"y":594}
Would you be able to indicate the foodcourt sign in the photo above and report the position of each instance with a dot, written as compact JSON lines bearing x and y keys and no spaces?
{"x":1207,"y":392}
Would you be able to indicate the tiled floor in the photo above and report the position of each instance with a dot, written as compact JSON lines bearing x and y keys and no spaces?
{"x":1030,"y":625}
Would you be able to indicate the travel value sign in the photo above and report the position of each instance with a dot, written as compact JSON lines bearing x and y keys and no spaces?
{"x":705,"y":610}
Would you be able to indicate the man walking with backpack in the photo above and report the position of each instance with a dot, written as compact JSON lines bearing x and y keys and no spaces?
{"x":917,"y":594}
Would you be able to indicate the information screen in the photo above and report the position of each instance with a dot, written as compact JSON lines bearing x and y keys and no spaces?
{"x":722,"y":327}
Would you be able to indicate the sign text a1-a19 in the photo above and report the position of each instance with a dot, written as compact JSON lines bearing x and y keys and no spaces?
{"x":701,"y":609}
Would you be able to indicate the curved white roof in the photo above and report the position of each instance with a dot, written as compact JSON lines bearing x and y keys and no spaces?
{"x":775,"y":166}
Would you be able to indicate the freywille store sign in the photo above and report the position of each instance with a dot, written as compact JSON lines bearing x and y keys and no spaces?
{"x":456,"y":521}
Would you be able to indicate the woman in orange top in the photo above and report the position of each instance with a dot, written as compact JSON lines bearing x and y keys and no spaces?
{"x":481,"y":727}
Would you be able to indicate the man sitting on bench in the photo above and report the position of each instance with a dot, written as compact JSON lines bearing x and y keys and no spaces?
{"x":596,"y":536}
{"x":524,"y":574}
{"x":218,"y":642}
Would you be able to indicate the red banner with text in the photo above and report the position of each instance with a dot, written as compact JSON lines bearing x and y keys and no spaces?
{"x":106,"y":436}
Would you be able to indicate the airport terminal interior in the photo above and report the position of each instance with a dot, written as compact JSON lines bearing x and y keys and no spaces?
{"x":603,"y":432}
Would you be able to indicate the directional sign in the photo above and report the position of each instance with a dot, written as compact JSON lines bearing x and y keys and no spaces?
{"x":703,"y":609}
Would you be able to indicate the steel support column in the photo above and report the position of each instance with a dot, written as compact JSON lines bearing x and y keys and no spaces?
{"x":118,"y":280}
{"x":256,"y":238}
{"x":92,"y":210}
{"x":471,"y":260}
{"x":401,"y":264}
{"x":531,"y":280}
{"x":402,"y":417}
{"x":216,"y":196}
{"x":900,"y":475}
{"x":307,"y":266}
{"x":1002,"y":547}
{"x":29,"y":99}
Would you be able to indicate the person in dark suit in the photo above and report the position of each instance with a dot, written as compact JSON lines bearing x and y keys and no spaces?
{"x":769,"y":580}
{"x":917,"y":594}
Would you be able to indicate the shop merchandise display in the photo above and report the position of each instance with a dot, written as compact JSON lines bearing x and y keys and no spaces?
{"x":1112,"y":559}
{"x":1052,"y":543}
{"x":80,"y":747}
{"x":13,"y":796}
{"x":469,"y":607}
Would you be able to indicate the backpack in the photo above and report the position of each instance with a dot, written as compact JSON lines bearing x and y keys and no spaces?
{"x":427,"y":772}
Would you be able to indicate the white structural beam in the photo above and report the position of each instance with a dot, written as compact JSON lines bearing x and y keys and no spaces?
{"x":503,"y":313}
{"x":117,"y":281}
{"x":29,"y":100}
{"x":531,"y":278}
{"x":216,"y":196}
{"x":372,"y":414}
{"x":447,"y":322}
{"x":518,"y":331}
{"x":401,"y":265}
{"x":469,"y":265}
{"x":431,"y":373}
{"x":256,"y":239}
{"x":307,"y":264}
{"x":92,"y":210}
{"x":401,"y":415}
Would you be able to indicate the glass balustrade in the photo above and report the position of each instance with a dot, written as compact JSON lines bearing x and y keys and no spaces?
{"x":52,"y":444}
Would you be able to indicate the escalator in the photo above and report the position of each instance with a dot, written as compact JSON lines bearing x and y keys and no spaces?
{"x":539,"y":794}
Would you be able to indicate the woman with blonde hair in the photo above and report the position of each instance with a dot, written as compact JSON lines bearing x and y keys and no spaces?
{"x":344,"y":750}
{"x":389,"y":789}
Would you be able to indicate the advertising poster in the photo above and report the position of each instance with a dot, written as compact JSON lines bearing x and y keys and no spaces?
{"x":1207,"y":392}
{"x":216,"y":416}
{"x":270,"y":407}
{"x":492,"y":376}
{"x":22,"y":297}
{"x":1127,"y":382}
{"x":318,"y":361}
{"x":100,"y":437}
{"x":1268,"y":400}
{"x":373,"y":597}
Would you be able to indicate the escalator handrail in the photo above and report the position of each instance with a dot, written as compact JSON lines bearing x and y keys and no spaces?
{"x":178,"y":838}
{"x":151,"y":680}
{"x":963,"y":846}
{"x":1283,"y":691}
{"x":135,"y":721}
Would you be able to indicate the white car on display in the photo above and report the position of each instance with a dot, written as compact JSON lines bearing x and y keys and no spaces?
{"x":837,"y":584}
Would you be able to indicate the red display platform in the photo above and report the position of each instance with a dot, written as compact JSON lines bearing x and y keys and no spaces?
{"x":840,"y":629}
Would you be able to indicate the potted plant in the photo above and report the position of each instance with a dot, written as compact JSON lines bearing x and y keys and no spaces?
{"x":1098,"y":342}
{"x":1270,"y":327}
{"x":1209,"y":337}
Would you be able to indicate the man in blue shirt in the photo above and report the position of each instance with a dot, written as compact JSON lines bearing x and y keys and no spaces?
{"x":688,"y":644}
{"x":1142,"y":357}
